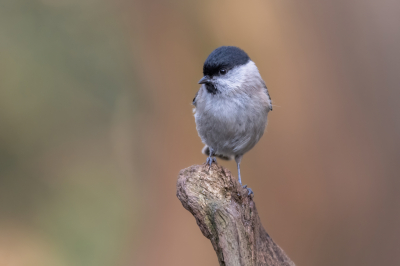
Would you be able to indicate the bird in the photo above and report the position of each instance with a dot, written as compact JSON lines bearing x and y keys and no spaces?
{"x":231,"y":107}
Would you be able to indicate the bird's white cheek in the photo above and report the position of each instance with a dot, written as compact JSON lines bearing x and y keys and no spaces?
{"x":226,"y":84}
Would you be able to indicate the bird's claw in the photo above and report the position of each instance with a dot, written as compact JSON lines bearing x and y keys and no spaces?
{"x":249,"y":189}
{"x":211,"y":160}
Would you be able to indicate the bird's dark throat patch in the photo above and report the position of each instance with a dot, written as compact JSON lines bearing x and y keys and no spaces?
{"x":211,"y":88}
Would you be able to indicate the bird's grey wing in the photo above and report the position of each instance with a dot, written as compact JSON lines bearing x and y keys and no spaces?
{"x":269,"y":97}
{"x":194,"y":99}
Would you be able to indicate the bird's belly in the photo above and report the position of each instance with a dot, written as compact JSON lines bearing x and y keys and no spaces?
{"x":231,"y":131}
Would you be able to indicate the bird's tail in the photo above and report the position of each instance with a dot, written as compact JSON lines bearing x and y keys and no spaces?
{"x":206,"y":151}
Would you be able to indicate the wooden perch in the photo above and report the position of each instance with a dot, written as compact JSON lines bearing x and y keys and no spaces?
{"x":228,"y":217}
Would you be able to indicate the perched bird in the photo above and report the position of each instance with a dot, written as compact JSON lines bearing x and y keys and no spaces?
{"x":232,"y":105}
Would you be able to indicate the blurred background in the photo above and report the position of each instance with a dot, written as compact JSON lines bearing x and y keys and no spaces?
{"x":96,"y":122}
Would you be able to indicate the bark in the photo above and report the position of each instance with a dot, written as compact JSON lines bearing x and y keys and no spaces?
{"x":228,"y":217}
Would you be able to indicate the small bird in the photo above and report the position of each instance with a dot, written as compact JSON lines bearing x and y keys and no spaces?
{"x":232,"y":105}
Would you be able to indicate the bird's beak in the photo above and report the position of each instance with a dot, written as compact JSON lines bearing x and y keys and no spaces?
{"x":205,"y":79}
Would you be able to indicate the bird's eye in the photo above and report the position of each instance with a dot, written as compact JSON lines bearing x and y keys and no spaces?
{"x":222,"y":71}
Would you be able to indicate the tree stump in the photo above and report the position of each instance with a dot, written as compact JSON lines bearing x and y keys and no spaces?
{"x":227,"y":215}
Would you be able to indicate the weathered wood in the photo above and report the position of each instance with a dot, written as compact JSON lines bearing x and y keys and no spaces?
{"x":228,"y":217}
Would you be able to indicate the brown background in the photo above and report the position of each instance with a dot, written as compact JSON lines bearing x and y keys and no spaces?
{"x":96,"y":122}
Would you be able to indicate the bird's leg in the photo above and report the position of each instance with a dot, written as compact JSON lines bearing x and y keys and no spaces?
{"x":211,"y":159}
{"x":240,"y":179}
{"x":238,"y":159}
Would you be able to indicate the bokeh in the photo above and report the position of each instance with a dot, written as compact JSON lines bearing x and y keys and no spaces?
{"x":96,"y":122}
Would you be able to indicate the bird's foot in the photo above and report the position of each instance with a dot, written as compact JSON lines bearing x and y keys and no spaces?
{"x":249,"y":189}
{"x":211,"y":160}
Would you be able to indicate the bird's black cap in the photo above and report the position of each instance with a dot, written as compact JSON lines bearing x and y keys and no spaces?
{"x":226,"y":57}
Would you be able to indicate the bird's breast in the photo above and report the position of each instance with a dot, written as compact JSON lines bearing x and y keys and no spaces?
{"x":231,"y":125}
